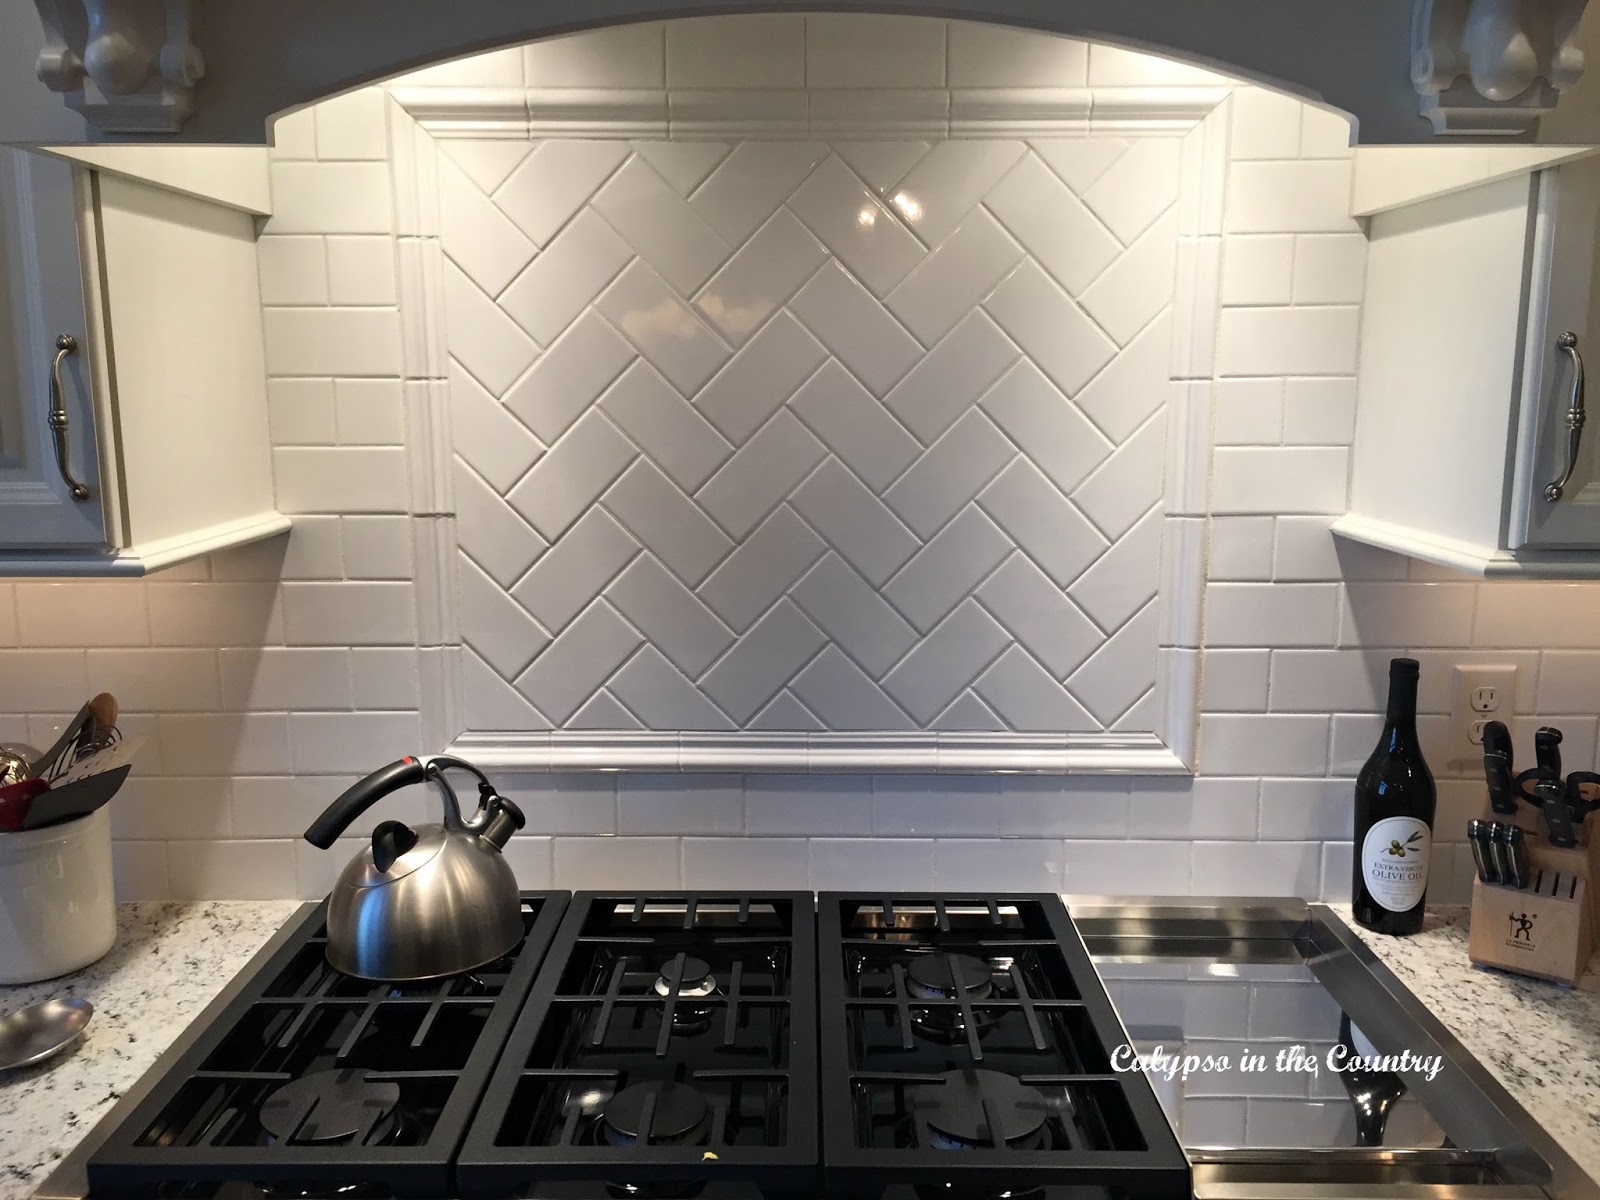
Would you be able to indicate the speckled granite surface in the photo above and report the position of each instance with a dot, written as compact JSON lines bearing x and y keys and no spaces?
{"x":1540,"y":1040}
{"x":168,"y":962}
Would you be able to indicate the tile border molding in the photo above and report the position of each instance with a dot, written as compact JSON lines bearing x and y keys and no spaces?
{"x":1200,"y":116}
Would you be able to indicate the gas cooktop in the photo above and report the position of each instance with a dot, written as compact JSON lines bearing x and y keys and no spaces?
{"x":666,"y":1045}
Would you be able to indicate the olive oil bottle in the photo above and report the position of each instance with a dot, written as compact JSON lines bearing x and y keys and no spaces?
{"x":1395,"y":800}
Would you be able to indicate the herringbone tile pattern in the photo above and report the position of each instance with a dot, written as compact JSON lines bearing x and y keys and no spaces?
{"x":747,"y":441}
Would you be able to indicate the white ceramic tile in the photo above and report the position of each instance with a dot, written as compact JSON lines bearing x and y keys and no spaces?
{"x":843,"y":414}
{"x":346,"y":479}
{"x":1133,"y":868}
{"x":1057,"y":229}
{"x":1127,"y":484}
{"x":550,"y":185}
{"x":751,"y":182}
{"x":562,"y":281}
{"x":243,"y":870}
{"x":771,"y":652}
{"x":494,"y":625}
{"x":490,"y":531}
{"x":343,"y":341}
{"x":1407,"y":615}
{"x":899,"y":863}
{"x":222,"y":744}
{"x":81,"y":614}
{"x":760,"y":276}
{"x":1234,"y":680}
{"x":272,"y":678}
{"x":485,"y":337}
{"x":1121,"y":670}
{"x":662,"y":327}
{"x":660,"y":225}
{"x":361,"y":271}
{"x":352,"y":126}
{"x":975,"y":864}
{"x":917,"y":113}
{"x":851,"y":322}
{"x":370,"y":412}
{"x":385,"y":677}
{"x":212,"y":614}
{"x":1290,"y":869}
{"x":961,"y":272}
{"x":1568,"y":613}
{"x":954,"y":653}
{"x":1305,"y":548}
{"x":947,"y":568}
{"x":1320,"y":412}
{"x":812,"y":805}
{"x":760,"y":377}
{"x":301,"y":412}
{"x":487,"y":163}
{"x":1569,"y":681}
{"x":635,"y":862}
{"x":489,"y":702}
{"x":576,"y":470}
{"x":486,"y":435}
{"x":1288,"y":341}
{"x":566,"y":672}
{"x":677,"y":531}
{"x":1237,"y":744}
{"x":1133,"y":385}
{"x":1266,"y":124}
{"x":851,"y":221}
{"x":665,"y":426}
{"x":1136,"y":188}
{"x":1271,"y":614}
{"x":569,"y":376}
{"x":936,"y":196}
{"x":951,"y":376}
{"x":1258,"y":269}
{"x":984,"y":55}
{"x":1329,"y":268}
{"x":1049,"y":327}
{"x":881,"y":163}
{"x":685,"y":165}
{"x":1113,"y":66}
{"x":1039,"y":519}
{"x":293,"y":135}
{"x":618,"y":56}
{"x":658,"y":694}
{"x":294,"y":270}
{"x":861,"y":50}
{"x":330,"y":742}
{"x":56,"y":680}
{"x":1308,"y":479}
{"x":845,"y":607}
{"x":140,"y":869}
{"x":1289,"y":197}
{"x":843,"y":697}
{"x":564,"y":804}
{"x":752,"y":864}
{"x":1324,"y":134}
{"x":1033,"y":610}
{"x":1329,"y":680}
{"x":1137,"y":286}
{"x":313,"y":197}
{"x":1126,"y":575}
{"x":764,"y":50}
{"x":966,"y":459}
{"x":1241,"y":548}
{"x":1060,"y":441}
{"x":760,"y":474}
{"x":781,"y":112}
{"x":575,"y":569}
{"x":762,"y":568}
{"x":669,"y":615}
{"x":348,"y":614}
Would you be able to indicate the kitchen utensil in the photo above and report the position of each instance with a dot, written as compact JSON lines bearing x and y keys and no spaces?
{"x":421,"y":903}
{"x":1480,"y":837}
{"x":70,"y":801}
{"x":1513,"y":845}
{"x":1547,"y":752}
{"x":1583,"y":796}
{"x":1550,"y":797}
{"x":16,"y":762}
{"x":1497,"y":768}
{"x":33,"y":1034}
{"x":1498,"y":862}
{"x":16,"y":799}
{"x":56,"y":897}
{"x":1373,"y":1094}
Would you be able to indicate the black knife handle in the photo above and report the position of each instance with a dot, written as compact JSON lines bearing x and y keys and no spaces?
{"x":1553,"y":803}
{"x":1497,"y":770}
{"x":1547,"y":752}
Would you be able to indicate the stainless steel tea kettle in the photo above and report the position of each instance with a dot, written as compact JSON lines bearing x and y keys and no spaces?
{"x":425,"y":902}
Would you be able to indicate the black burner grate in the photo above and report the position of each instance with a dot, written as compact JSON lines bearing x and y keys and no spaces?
{"x":967,"y":1045}
{"x":313,"y":1082}
{"x":668,"y":1048}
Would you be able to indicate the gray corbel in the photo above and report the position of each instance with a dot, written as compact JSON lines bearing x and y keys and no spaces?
{"x":129,"y":66}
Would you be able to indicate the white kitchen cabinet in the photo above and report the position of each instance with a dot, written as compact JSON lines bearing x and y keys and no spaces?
{"x":133,"y":429}
{"x":1480,"y":308}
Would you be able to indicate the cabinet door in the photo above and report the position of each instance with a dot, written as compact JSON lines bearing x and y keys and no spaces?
{"x":1563,"y":332}
{"x":41,"y":304}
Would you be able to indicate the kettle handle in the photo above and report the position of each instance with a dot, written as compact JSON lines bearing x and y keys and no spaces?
{"x":363,"y":795}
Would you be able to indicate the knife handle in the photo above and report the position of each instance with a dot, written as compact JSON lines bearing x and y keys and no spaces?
{"x":1547,"y":752}
{"x":1557,"y":820}
{"x":1514,"y":845}
{"x":1480,"y":837}
{"x":1497,"y":770}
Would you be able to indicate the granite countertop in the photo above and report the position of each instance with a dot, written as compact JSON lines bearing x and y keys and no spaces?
{"x":1540,"y":1040}
{"x":169,"y":960}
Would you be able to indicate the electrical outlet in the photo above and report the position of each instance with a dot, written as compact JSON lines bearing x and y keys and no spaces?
{"x":1482,"y":693}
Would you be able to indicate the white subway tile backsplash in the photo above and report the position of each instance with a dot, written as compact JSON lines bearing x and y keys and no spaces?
{"x":377,"y":547}
{"x":348,"y":614}
{"x":942,"y":808}
{"x":857,"y":50}
{"x":322,"y":743}
{"x":985,"y":56}
{"x":1309,"y":810}
{"x":317,"y":197}
{"x":140,"y":870}
{"x":172,"y":809}
{"x":621,"y":862}
{"x":1288,"y":341}
{"x":48,"y":680}
{"x":707,"y":804}
{"x":1062,"y":807}
{"x":1241,"y":548}
{"x":755,"y":51}
{"x":1329,"y":268}
{"x":1329,"y":680}
{"x":1258,"y":269}
{"x":1309,"y":479}
{"x":747,"y":863}
{"x":1269,"y":745}
{"x":1289,"y":197}
{"x":813,"y":805}
{"x":342,"y":341}
{"x":1412,"y":614}
{"x":242,"y":870}
{"x":1131,"y":868}
{"x":329,"y":479}
{"x":1179,"y":809}
{"x":1567,"y":614}
{"x":620,"y":56}
{"x":839,"y":864}
{"x":1266,"y":124}
{"x":1569,"y":681}
{"x":110,"y":613}
{"x":224,"y":744}
{"x":293,"y":270}
{"x":153,"y":681}
{"x":1271,"y":614}
{"x":1305,"y":548}
{"x":361,"y":271}
{"x":977,"y":864}
{"x":1234,"y":680}
{"x":1284,"y":869}
{"x":275,"y":678}
{"x":352,"y":126}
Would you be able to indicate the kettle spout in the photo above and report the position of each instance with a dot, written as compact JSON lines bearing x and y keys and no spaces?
{"x":505,"y":818}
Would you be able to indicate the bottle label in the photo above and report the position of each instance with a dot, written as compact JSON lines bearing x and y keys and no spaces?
{"x":1394,"y":862}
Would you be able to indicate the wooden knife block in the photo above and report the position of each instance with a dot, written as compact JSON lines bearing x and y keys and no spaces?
{"x":1548,"y":928}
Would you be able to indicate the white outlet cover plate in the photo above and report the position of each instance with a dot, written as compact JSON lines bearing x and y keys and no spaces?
{"x":1465,"y":753}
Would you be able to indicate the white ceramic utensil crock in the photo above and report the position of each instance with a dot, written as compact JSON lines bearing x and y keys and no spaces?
{"x":57,"y":909}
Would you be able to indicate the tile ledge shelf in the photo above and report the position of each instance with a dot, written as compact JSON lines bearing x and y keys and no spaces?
{"x":630,"y":113}
{"x":821,"y":753}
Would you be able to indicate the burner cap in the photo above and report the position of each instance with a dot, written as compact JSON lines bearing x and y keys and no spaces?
{"x":960,"y":1109}
{"x":679,"y":1113}
{"x":330,"y":1106}
{"x":696,"y":979}
{"x":937,"y":976}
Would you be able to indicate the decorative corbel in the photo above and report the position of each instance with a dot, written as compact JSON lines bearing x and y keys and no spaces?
{"x":1493,"y":66}
{"x":129,"y":66}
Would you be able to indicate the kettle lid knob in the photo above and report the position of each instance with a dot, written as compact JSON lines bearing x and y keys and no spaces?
{"x":390,"y":840}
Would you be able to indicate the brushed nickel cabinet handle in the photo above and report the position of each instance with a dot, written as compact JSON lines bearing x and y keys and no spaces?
{"x":1575,"y":418}
{"x":65,"y":344}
